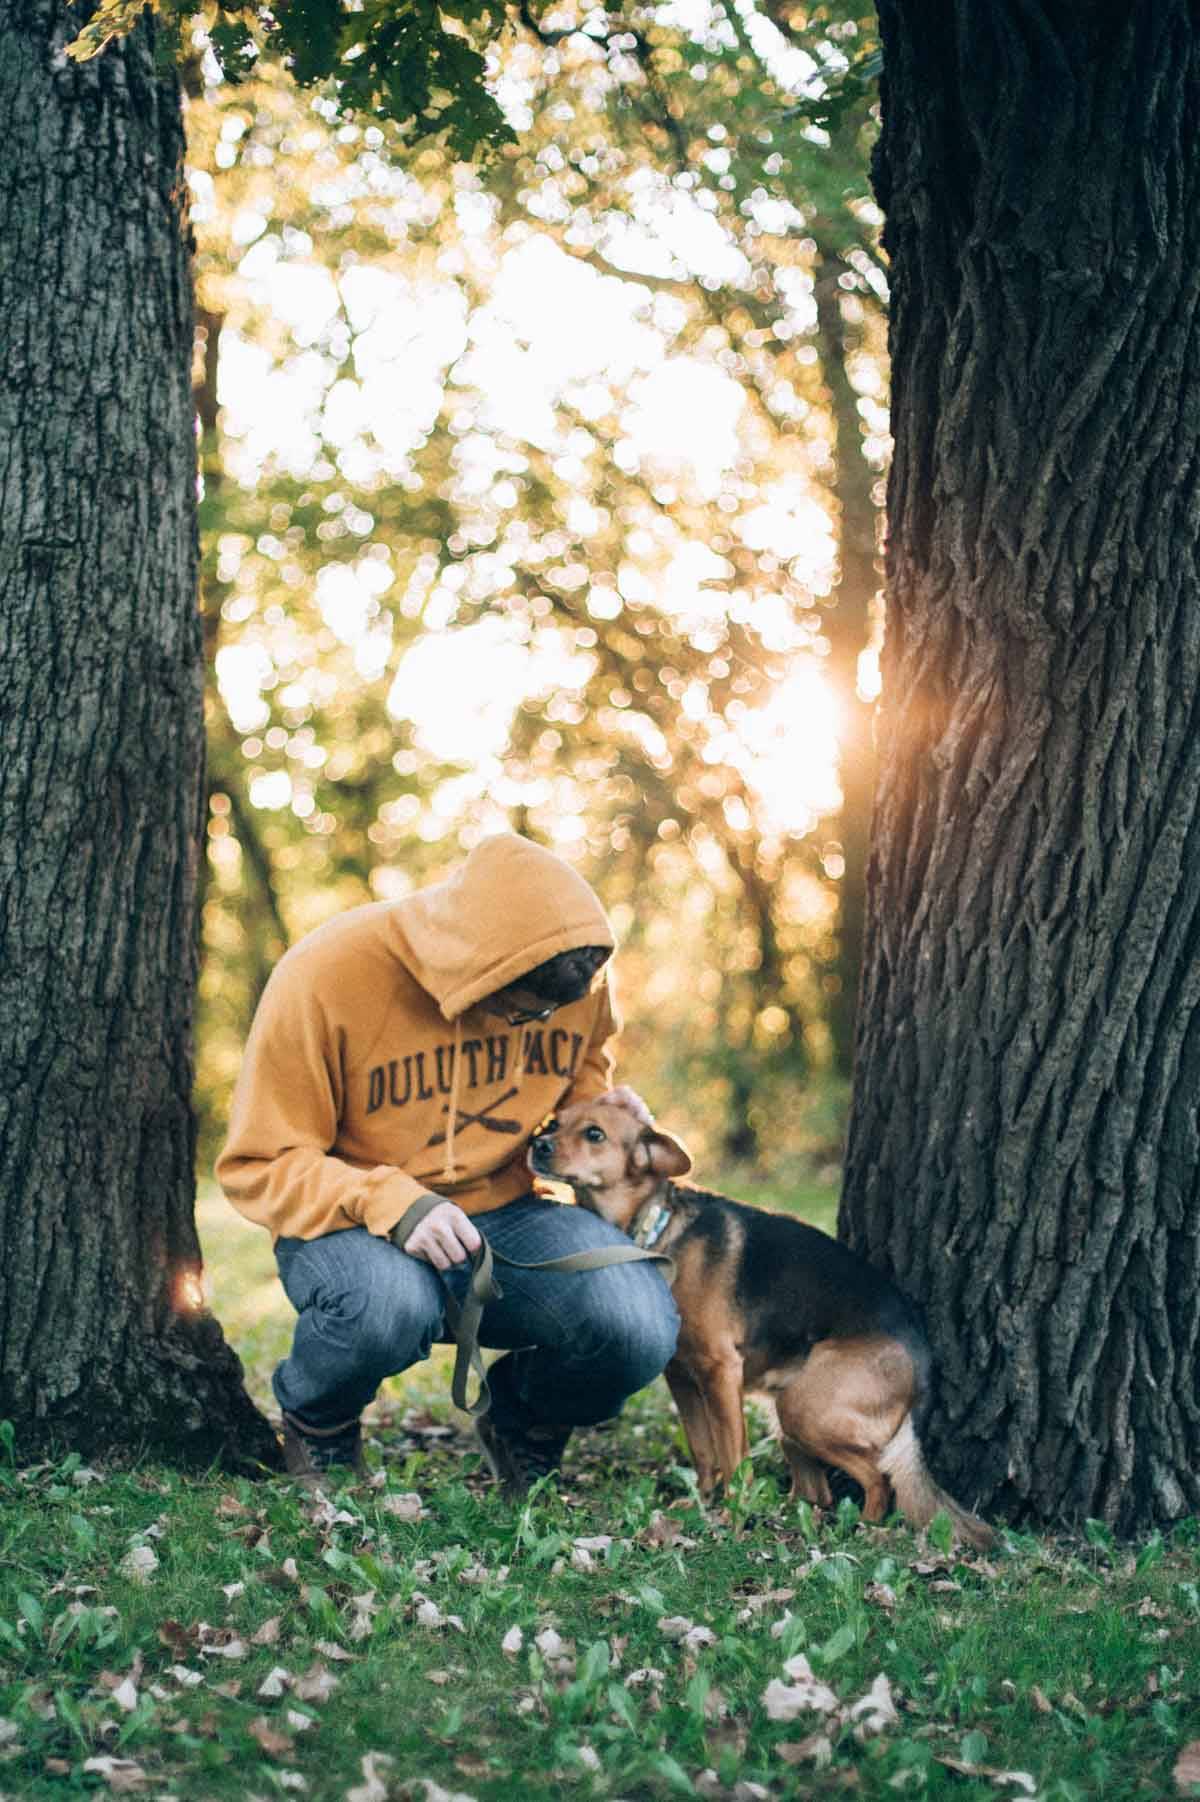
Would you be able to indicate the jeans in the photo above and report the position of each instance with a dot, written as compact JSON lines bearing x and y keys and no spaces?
{"x":581,"y":1342}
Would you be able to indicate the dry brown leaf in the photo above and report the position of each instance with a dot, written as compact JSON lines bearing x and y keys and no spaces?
{"x":407,"y":1506}
{"x":374,"y":1787}
{"x":1186,"y":1770}
{"x":273,"y":1743}
{"x":1021,"y":1780}
{"x":229,"y":1508}
{"x":328,"y":1648}
{"x":122,"y":1775}
{"x":267,"y":1634}
{"x":815,"y":1748}
{"x":1041,"y":1701}
{"x":316,"y":1685}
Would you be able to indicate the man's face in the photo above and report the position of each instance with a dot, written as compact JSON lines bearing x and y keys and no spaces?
{"x":517,"y":1005}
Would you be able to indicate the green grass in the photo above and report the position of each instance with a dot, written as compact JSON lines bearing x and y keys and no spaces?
{"x":1072,"y":1661}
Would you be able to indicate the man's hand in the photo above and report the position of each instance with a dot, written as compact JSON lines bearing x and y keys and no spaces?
{"x":629,"y":1098}
{"x":444,"y":1238}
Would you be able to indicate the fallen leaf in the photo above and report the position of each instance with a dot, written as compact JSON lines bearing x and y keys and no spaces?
{"x":233,"y":1590}
{"x":646,"y":1675}
{"x":875,"y":1711}
{"x":268,"y":1633}
{"x":374,"y":1786}
{"x":406,"y":1506}
{"x":549,"y":1643}
{"x":229,"y":1508}
{"x":186,"y":1676}
{"x":599,"y":1542}
{"x":273,"y":1743}
{"x":274,"y":1683}
{"x":1040,"y":1701}
{"x":1186,"y":1771}
{"x":816,"y":1748}
{"x":441,"y":1678}
{"x":1022,"y":1779}
{"x":299,"y":1723}
{"x":512,"y":1642}
{"x":139,"y":1564}
{"x":125,"y":1695}
{"x":122,"y":1775}
{"x":316,"y":1685}
{"x":329,"y":1649}
{"x":783,"y":1702}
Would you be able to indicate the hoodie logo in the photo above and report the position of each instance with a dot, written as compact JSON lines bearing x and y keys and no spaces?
{"x":424,"y":1075}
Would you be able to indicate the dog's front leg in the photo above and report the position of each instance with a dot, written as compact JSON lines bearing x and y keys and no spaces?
{"x":724,"y":1400}
{"x":689,"y":1401}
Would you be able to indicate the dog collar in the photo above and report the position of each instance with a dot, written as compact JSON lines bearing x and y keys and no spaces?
{"x":651,"y":1224}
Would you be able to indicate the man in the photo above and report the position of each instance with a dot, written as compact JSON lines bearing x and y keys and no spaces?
{"x":410,"y":1049}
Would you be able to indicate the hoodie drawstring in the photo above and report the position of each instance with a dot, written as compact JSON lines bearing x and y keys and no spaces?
{"x":448,"y":1170}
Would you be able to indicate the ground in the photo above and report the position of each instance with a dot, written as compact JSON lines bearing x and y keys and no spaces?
{"x":211,"y":1639}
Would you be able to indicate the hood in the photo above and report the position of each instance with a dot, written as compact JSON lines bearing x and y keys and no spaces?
{"x":510,"y":906}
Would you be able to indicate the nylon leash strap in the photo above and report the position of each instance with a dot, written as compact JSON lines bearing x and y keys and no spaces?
{"x":465,"y":1320}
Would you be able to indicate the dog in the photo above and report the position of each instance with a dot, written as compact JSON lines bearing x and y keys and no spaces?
{"x":767,"y":1304}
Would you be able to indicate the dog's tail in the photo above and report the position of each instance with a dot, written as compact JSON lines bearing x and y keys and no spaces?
{"x":918,"y":1497}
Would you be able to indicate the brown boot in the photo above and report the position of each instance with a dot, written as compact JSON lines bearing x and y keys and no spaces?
{"x":318,"y":1455}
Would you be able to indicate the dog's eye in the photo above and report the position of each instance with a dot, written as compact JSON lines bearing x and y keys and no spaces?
{"x":594,"y":1135}
{"x":550,"y":1128}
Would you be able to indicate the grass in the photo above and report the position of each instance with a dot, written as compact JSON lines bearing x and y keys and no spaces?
{"x":212,"y":1639}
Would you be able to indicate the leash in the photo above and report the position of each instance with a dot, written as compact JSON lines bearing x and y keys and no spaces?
{"x":464,"y":1320}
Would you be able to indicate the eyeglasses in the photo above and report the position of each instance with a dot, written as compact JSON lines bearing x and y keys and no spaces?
{"x":524,"y":1016}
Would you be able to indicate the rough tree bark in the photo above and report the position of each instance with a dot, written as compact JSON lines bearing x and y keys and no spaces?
{"x":103,"y":1343}
{"x":1024,"y":1143}
{"x":847,"y":627}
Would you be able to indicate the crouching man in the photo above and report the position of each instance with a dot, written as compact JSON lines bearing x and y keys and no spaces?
{"x":410,"y":1049}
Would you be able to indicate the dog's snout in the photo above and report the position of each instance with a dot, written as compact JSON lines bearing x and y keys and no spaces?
{"x":541,"y":1148}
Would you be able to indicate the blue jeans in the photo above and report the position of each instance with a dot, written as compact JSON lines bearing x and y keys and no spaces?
{"x":581,"y":1342}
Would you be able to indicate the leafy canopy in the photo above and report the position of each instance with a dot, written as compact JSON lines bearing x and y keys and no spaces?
{"x":421,"y":65}
{"x":418,"y":64}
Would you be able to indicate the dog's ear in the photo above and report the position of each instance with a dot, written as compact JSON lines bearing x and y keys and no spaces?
{"x":659,"y":1152}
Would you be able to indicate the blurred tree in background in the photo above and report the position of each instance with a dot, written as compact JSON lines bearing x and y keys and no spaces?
{"x":463,"y":567}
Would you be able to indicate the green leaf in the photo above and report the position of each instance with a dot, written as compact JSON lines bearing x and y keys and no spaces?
{"x":31,"y":1610}
{"x":593,"y":1666}
{"x":973,"y":1747}
{"x":1150,"y":1554}
{"x":941,"y":1533}
{"x":671,"y":1772}
{"x":838,"y":1644}
{"x":111,"y":19}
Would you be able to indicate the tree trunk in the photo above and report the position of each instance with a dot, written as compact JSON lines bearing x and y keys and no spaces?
{"x":848,"y":627}
{"x":104,"y":1343}
{"x":1024,"y":1140}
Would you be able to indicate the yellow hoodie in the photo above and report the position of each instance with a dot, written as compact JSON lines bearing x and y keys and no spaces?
{"x":372,"y":1076}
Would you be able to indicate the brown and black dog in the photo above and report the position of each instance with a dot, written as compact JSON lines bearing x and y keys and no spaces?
{"x":769,"y":1304}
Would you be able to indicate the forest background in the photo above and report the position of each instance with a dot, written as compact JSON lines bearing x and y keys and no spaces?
{"x":543,"y":493}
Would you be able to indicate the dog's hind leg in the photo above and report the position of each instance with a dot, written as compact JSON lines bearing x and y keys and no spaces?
{"x":809,"y":1482}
